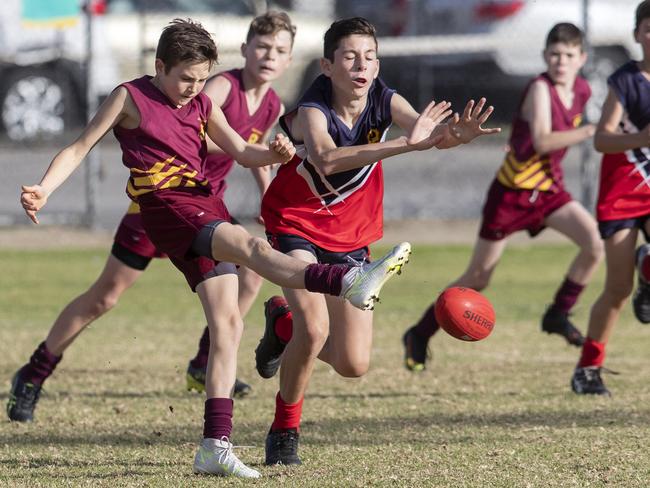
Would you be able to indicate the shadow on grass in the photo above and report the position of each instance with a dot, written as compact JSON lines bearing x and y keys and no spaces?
{"x":359,"y":431}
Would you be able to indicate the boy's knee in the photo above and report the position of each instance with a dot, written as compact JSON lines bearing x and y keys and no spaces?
{"x":352,"y":369}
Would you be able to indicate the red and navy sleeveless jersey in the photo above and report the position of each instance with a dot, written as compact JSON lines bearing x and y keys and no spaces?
{"x":339,"y":212}
{"x":525,"y":169}
{"x":168,"y":149}
{"x":624,"y":191}
{"x":251,"y":127}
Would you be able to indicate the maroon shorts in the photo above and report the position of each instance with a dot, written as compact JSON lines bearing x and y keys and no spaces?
{"x":507,"y":211}
{"x":172,"y":220}
{"x":131,"y":235}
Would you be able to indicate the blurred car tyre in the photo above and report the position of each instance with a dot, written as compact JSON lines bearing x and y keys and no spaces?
{"x":37,"y":102}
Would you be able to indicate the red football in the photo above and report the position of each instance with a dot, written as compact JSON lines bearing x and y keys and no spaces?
{"x":465,"y":314}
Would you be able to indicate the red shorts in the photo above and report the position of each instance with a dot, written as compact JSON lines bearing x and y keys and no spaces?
{"x":131,"y":235}
{"x":172,"y":220}
{"x":507,"y":211}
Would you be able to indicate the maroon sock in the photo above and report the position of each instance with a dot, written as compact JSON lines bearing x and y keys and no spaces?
{"x":593,"y":353}
{"x":287,"y":415}
{"x":567,"y":295}
{"x":284,"y":327}
{"x":201,"y":359}
{"x":428,"y":325}
{"x":325,"y":278}
{"x":41,"y":365}
{"x":218,"y":418}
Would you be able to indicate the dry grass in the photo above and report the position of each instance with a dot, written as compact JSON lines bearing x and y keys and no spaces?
{"x":495,"y":413}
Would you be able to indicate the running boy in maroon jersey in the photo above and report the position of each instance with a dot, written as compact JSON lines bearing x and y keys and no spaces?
{"x":161,"y":123}
{"x":267,"y":52}
{"x":623,"y":209}
{"x":325,"y":206}
{"x":528,"y":192}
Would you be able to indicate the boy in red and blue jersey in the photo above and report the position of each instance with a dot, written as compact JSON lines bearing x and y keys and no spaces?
{"x":267,"y":52}
{"x":162,"y":124}
{"x":528,"y":192}
{"x":325,"y":206}
{"x":623,"y":208}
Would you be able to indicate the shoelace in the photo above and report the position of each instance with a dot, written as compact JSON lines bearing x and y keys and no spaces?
{"x":225,"y":454}
{"x":355,"y":262}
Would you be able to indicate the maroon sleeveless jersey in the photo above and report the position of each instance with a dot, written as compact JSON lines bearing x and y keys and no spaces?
{"x":168,"y":149}
{"x":523,"y":168}
{"x":251,"y":127}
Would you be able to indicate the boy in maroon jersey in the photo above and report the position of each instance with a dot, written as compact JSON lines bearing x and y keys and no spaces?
{"x":325,"y":206}
{"x":252,"y":108}
{"x":267,"y":52}
{"x":623,"y":208}
{"x":528,"y":192}
{"x":161,"y":123}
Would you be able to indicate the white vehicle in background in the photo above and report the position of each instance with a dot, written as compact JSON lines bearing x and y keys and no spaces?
{"x":43,"y":90}
{"x":43,"y":73}
{"x":458,"y":49}
{"x":134,"y":26}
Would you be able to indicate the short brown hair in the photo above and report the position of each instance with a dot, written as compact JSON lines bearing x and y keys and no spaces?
{"x":344,"y":28}
{"x":185,"y":40}
{"x":271,"y":22}
{"x":642,"y":12}
{"x":565,"y":33}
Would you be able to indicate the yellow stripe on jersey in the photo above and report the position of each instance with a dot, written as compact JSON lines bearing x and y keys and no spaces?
{"x":145,"y":181}
{"x":134,"y":208}
{"x":531,"y":174}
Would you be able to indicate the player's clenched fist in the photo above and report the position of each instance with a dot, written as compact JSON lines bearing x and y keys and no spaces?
{"x":32,"y":199}
{"x":283,"y":148}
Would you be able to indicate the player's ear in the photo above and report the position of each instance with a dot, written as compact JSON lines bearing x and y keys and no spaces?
{"x":377,"y":72}
{"x":243,"y":49}
{"x":326,"y":66}
{"x":160,"y":66}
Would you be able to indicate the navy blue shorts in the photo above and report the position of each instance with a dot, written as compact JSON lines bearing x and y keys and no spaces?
{"x":286,"y":243}
{"x":608,"y":228}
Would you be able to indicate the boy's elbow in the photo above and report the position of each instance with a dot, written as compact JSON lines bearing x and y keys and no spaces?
{"x":322,"y":163}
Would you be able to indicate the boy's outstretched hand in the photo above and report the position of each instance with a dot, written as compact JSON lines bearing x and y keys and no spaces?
{"x":283,"y":149}
{"x":32,"y":199}
{"x":422,"y":135}
{"x":467,"y":127}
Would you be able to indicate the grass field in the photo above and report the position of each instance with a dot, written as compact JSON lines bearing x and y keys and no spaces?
{"x":497,"y":413}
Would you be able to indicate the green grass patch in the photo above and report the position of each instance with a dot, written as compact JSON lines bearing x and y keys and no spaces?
{"x":498,"y":413}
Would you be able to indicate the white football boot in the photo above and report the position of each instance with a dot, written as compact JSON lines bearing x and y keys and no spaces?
{"x":362,"y":284}
{"x":215,"y":456}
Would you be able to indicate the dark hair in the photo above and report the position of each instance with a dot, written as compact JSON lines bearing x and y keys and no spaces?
{"x":565,"y":33}
{"x":271,"y":22}
{"x":344,"y":28}
{"x":642,"y":12}
{"x":185,"y":40}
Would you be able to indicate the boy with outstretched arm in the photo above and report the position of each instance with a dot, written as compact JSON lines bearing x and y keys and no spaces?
{"x":325,"y":206}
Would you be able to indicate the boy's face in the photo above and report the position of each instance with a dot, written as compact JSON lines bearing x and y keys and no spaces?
{"x":355,"y":65}
{"x":267,"y":56}
{"x":183,"y":82}
{"x":642,"y":36}
{"x":564,"y":61}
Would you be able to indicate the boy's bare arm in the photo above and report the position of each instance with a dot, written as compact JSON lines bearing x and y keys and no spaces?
{"x":311,"y":126}
{"x":608,"y":138}
{"x":280,"y":150}
{"x":536,"y":109}
{"x":116,"y":108}
{"x":217,"y":89}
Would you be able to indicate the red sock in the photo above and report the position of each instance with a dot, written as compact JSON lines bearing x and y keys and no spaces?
{"x":593,"y":353}
{"x":287,"y":415}
{"x":284,"y":327}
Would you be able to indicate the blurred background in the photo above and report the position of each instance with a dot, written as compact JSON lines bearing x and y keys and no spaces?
{"x":58,"y":59}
